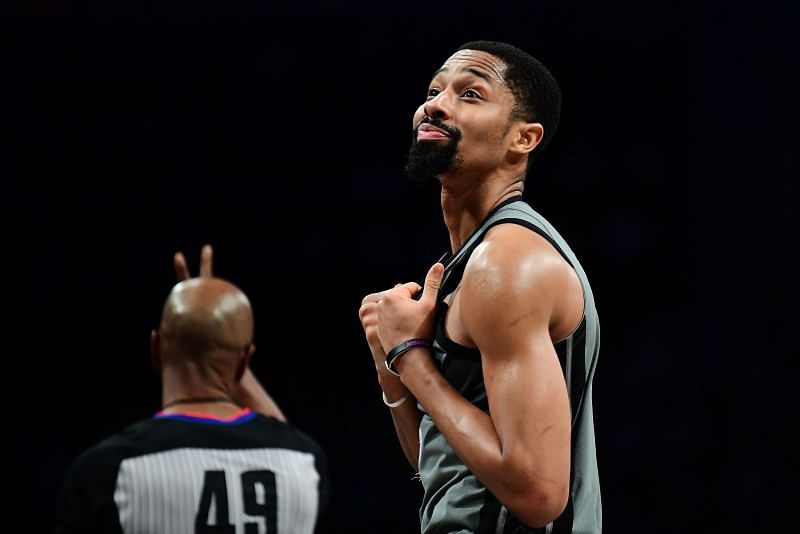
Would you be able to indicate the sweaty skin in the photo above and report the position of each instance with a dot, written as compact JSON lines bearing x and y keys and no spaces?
{"x":517,"y":297}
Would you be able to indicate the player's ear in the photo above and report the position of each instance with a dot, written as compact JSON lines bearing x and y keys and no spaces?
{"x":528,"y":135}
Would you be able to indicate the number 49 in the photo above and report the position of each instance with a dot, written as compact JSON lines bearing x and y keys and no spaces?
{"x":215,"y":488}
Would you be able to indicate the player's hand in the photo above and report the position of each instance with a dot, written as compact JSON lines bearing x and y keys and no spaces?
{"x":368,"y":314}
{"x":206,"y":262}
{"x":399,"y":317}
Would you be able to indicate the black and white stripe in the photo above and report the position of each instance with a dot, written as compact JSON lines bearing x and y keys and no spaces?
{"x":176,"y":474}
{"x":161,"y":492}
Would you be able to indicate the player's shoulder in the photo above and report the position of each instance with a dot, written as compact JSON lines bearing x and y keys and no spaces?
{"x":517,"y":257}
{"x":518,"y":241}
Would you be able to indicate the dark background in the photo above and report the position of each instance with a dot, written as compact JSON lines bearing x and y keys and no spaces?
{"x":277,"y":131}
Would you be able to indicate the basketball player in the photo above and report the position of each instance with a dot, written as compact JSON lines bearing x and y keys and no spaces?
{"x":488,"y":372}
{"x":220,"y":456}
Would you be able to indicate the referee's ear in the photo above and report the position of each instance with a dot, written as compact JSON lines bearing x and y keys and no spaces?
{"x":244,"y":361}
{"x":155,"y":351}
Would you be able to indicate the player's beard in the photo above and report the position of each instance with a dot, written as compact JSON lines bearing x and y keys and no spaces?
{"x":428,"y":160}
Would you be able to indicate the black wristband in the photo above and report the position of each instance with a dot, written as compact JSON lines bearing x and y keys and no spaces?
{"x":401,"y":349}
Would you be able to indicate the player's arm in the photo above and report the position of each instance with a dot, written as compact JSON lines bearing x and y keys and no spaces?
{"x":406,"y":417}
{"x":509,"y":297}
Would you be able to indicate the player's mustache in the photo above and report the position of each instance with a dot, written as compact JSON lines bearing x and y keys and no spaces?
{"x":453,"y":132}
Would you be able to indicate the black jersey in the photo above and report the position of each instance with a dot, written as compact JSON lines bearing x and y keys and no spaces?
{"x":454,"y":500}
{"x":194,"y":473}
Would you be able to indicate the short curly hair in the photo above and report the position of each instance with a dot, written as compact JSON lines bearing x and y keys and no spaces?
{"x":537,"y":96}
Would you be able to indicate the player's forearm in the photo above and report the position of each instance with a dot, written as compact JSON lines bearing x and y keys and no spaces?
{"x":406,"y":417}
{"x":468,"y":429}
{"x":406,"y":423}
{"x":472,"y":435}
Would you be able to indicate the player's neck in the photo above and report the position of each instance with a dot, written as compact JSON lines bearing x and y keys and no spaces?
{"x":465,"y":208}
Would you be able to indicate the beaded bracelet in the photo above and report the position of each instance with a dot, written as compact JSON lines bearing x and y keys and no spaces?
{"x":400,"y":349}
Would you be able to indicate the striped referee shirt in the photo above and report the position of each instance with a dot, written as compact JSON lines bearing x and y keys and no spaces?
{"x":194,"y":473}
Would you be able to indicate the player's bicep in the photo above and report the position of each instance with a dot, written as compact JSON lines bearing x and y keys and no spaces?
{"x":527,"y":397}
{"x":506,"y":311}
